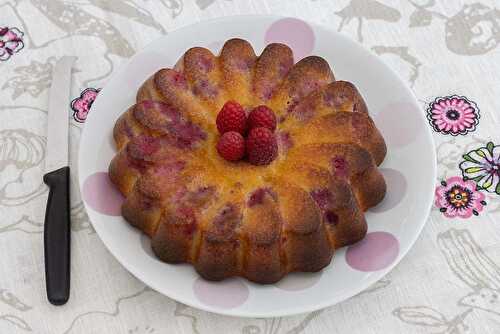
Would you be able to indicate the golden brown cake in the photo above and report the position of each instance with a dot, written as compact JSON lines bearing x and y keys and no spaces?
{"x":234,"y":218}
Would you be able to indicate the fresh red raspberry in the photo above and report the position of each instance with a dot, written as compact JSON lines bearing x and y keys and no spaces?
{"x":262,"y":147}
{"x":232,"y":117}
{"x":262,"y":116}
{"x":231,"y":146}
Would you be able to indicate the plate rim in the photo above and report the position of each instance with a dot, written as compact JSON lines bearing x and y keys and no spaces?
{"x":234,"y":312}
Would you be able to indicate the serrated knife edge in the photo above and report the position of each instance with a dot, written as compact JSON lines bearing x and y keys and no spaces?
{"x":58,"y":118}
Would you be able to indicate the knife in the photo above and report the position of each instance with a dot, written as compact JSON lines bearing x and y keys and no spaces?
{"x":57,"y":214}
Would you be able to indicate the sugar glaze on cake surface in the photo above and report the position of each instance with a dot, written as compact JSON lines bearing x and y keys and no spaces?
{"x":233,"y":218}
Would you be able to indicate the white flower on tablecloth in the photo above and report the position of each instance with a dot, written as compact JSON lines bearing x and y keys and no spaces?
{"x":482,"y":166}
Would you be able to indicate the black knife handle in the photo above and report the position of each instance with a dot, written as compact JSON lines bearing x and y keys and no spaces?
{"x":57,"y":236}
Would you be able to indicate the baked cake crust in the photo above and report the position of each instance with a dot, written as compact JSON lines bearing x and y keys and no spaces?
{"x":233,"y":218}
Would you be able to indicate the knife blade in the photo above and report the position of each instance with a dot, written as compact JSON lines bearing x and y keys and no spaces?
{"x":57,"y":214}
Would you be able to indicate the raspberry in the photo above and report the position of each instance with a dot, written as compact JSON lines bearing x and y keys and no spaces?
{"x":231,"y":146}
{"x":232,"y":117}
{"x":262,"y":147}
{"x":262,"y":116}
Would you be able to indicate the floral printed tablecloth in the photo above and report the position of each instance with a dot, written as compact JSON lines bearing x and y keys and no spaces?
{"x":448,"y":53}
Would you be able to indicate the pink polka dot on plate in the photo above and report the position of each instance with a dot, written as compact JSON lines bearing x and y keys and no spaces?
{"x":297,"y":34}
{"x":227,"y":294}
{"x":375,"y":252}
{"x":396,"y":189}
{"x":399,"y":123}
{"x":299,"y":281}
{"x":101,"y":195}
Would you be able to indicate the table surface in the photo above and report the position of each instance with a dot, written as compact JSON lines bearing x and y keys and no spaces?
{"x":445,"y":50}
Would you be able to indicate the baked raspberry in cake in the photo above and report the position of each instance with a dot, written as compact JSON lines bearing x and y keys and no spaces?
{"x":297,"y":193}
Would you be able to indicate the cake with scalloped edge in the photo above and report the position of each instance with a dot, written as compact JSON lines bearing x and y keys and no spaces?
{"x":236,"y":218}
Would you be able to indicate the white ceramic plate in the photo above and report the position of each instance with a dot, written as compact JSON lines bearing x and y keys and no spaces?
{"x":394,"y":225}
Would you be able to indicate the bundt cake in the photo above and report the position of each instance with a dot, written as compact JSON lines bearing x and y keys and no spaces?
{"x":235,"y":218}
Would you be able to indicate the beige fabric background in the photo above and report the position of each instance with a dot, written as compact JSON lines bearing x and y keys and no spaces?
{"x":448,"y":283}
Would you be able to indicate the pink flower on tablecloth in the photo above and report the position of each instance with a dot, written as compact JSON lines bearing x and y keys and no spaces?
{"x":458,"y":198}
{"x":81,"y":105}
{"x":10,"y":42}
{"x":455,"y":115}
